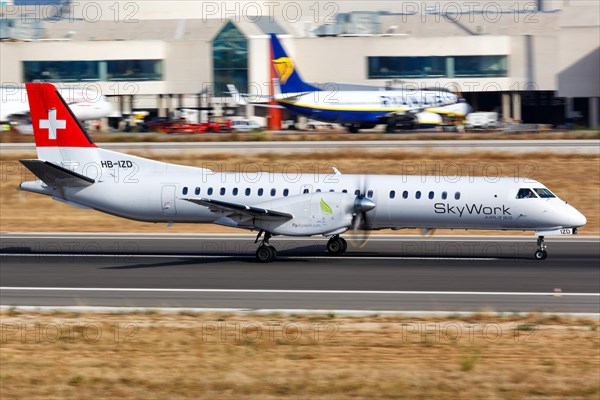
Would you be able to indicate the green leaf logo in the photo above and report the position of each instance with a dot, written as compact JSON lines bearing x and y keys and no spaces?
{"x":326,"y":208}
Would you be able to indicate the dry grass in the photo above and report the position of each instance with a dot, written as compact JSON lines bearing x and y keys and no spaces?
{"x":322,"y":135}
{"x":574,"y":177}
{"x":381,"y":357}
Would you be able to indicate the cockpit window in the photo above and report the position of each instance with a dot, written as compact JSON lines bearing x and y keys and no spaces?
{"x":526,"y":194}
{"x":545,"y":193}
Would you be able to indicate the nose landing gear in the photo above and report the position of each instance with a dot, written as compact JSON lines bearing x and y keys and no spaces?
{"x":540,"y":253}
{"x":265,"y":252}
{"x":337,"y":245}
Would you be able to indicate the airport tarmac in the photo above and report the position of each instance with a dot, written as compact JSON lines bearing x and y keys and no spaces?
{"x":523,"y":146}
{"x":391,"y":273}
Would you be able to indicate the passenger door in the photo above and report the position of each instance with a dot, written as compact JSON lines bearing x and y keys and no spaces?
{"x":168,"y":200}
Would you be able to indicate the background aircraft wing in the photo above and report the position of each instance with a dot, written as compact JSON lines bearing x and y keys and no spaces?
{"x":241,"y":210}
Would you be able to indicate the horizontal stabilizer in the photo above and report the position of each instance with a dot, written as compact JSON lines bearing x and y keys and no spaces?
{"x":240,"y":209}
{"x":56,"y":176}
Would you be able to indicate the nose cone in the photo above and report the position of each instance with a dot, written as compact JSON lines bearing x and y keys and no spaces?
{"x":577,"y":219}
{"x":362,"y":204}
{"x":569,"y":217}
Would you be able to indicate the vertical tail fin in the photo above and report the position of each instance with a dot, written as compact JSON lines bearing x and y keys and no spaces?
{"x":55,"y":128}
{"x":289,"y":79}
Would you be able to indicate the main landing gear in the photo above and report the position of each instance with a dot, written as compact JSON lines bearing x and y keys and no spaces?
{"x":265,"y":252}
{"x":337,"y":245}
{"x":540,"y":253}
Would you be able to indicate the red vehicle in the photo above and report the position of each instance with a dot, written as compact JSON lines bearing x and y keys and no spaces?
{"x":215,"y":124}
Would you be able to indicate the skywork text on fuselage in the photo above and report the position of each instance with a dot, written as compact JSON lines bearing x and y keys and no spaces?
{"x":472,"y":209}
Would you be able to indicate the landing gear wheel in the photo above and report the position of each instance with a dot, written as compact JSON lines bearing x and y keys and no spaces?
{"x":390,"y":127}
{"x":336,"y":245}
{"x":541,"y":254}
{"x":354,"y":128}
{"x":344,"y":245}
{"x":266,"y":254}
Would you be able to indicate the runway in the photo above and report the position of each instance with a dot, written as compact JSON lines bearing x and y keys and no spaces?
{"x":559,"y":146}
{"x":391,"y":273}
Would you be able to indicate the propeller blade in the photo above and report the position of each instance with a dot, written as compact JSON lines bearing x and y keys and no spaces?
{"x":362,"y":205}
{"x":427,"y":233}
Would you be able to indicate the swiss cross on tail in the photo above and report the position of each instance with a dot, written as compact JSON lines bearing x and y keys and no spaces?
{"x":54,"y":124}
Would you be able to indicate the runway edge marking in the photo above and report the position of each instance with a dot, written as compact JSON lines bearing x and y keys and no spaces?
{"x":293,"y":291}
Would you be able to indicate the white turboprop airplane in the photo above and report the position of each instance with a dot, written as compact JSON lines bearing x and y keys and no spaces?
{"x":86,"y":104}
{"x":363,"y":109}
{"x":73,"y":170}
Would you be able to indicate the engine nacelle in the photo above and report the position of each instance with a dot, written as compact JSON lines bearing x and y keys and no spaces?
{"x":428,"y":119}
{"x":314,"y":214}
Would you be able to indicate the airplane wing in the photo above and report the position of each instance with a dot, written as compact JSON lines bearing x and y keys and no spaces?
{"x":56,"y":176}
{"x":260,"y":100}
{"x":240,"y":209}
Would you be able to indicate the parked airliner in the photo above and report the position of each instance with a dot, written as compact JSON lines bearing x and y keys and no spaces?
{"x":86,"y":104}
{"x":364,"y":109}
{"x":73,"y":170}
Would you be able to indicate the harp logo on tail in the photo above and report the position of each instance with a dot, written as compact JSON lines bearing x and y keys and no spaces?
{"x":284,"y":67}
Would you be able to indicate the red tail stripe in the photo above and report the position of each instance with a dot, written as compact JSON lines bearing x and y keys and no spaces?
{"x":54,"y":125}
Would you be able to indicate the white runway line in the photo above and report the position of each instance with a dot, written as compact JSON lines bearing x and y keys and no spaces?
{"x":295,"y":291}
{"x":216,"y":257}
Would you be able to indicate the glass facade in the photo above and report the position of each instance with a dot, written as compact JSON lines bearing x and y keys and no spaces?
{"x":437,"y":67}
{"x":82,"y":71}
{"x":230,"y":60}
{"x":480,"y":66}
{"x":61,"y":71}
{"x":134,"y":70}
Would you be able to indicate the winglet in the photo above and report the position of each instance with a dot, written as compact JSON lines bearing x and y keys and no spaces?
{"x":237,"y":96}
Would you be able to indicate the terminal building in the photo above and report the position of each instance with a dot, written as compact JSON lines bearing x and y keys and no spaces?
{"x":536,"y":62}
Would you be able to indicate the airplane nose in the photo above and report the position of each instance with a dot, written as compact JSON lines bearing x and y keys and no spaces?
{"x":575,"y":218}
{"x":578,"y":219}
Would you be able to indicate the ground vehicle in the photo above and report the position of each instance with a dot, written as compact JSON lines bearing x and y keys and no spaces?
{"x":244,"y":125}
{"x":482,"y":120}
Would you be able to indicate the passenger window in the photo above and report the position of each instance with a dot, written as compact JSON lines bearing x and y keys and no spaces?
{"x":261,"y":192}
{"x":248,"y":191}
{"x":286,"y":192}
{"x":273,"y":192}
{"x":318,"y":190}
{"x":392,"y":194}
{"x":457,"y":196}
{"x":235,"y":191}
{"x":210,"y":191}
{"x":306,"y":191}
{"x":405,"y":194}
{"x":545,"y":193}
{"x":357,"y":192}
{"x":431,"y":195}
{"x":197,"y":192}
{"x":222,"y":191}
{"x":418,"y":195}
{"x":444,"y":195}
{"x":526,"y":194}
{"x":370,"y":194}
{"x":345,"y":191}
{"x":185,"y":191}
{"x":332,"y":190}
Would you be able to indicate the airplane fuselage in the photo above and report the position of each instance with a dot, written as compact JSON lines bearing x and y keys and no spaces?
{"x":85,"y":104}
{"x":143,"y":190}
{"x":374,"y":107}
